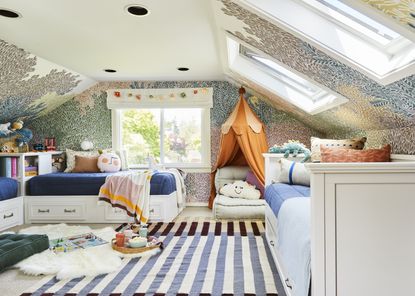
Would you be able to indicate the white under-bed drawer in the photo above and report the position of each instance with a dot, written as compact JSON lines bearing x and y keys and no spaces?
{"x":11,"y":213}
{"x":55,"y":210}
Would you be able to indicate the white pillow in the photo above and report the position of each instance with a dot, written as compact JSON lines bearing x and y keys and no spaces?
{"x":240,"y":189}
{"x":123,"y":156}
{"x":70,"y":158}
{"x":109,"y":163}
{"x":294,"y":173}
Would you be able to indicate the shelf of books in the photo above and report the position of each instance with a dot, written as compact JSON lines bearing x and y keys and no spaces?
{"x":24,"y":166}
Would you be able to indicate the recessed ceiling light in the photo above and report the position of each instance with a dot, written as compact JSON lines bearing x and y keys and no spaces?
{"x":9,"y":13}
{"x":137,"y":10}
{"x":110,"y":70}
{"x":183,"y":69}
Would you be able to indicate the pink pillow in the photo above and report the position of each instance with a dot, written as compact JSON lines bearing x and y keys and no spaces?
{"x":252,"y":179}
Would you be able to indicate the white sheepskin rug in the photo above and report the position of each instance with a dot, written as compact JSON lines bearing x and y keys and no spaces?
{"x":82,"y":262}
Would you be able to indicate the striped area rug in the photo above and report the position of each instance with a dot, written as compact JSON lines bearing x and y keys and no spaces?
{"x":199,"y":258}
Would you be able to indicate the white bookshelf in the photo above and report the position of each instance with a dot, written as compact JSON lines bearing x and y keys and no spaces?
{"x":44,"y":166}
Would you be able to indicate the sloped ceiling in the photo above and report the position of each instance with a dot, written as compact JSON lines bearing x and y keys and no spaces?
{"x":31,"y":86}
{"x":371,"y":106}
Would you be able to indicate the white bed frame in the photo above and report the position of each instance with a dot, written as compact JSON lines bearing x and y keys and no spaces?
{"x":87,"y":209}
{"x":362,"y":228}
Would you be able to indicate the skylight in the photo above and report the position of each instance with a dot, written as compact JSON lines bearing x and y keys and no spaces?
{"x":344,"y":33}
{"x":283,"y":74}
{"x":355,"y":20}
{"x":279,"y":79}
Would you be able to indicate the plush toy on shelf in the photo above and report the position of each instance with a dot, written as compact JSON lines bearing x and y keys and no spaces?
{"x":292,"y":147}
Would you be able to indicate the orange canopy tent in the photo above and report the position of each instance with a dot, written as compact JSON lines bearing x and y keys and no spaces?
{"x":242,"y":143}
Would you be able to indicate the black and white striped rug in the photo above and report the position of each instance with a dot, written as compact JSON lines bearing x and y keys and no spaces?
{"x":199,"y":258}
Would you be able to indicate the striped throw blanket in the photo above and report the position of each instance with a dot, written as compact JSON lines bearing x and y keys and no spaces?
{"x":199,"y":258}
{"x":129,"y":191}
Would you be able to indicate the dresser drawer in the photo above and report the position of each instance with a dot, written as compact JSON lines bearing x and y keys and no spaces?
{"x":56,"y":211}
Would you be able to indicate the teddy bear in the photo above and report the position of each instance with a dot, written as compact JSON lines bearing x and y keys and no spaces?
{"x":240,"y":189}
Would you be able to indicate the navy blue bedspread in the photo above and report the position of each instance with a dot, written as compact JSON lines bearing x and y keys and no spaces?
{"x":276,"y":194}
{"x":162,"y":183}
{"x":8,"y":188}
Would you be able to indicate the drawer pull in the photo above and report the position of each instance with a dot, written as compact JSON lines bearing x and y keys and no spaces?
{"x":43,"y":211}
{"x":152,"y":211}
{"x":8,"y":216}
{"x":272,"y":243}
{"x":69,"y":211}
{"x":288,"y":284}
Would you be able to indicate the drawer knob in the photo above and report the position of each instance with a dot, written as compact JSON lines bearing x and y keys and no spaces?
{"x":288,"y":284}
{"x":152,"y":211}
{"x":272,"y":243}
{"x":8,"y":216}
{"x":43,"y":211}
{"x":69,"y":211}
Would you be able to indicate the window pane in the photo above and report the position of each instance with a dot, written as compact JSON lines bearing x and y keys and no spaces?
{"x":141,"y":134}
{"x":182,"y":135}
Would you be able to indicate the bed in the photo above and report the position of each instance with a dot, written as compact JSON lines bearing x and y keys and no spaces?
{"x":344,"y":238}
{"x":72,"y":197}
{"x":11,"y":205}
{"x":162,"y":183}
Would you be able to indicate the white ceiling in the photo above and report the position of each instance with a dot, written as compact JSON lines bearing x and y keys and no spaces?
{"x":88,"y":36}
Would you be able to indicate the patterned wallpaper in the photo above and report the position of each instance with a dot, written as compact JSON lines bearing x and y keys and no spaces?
{"x":87,"y":117}
{"x":399,"y":10}
{"x":31,"y":86}
{"x":371,"y":106}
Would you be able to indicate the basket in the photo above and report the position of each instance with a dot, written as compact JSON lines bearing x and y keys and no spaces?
{"x":128,"y":250}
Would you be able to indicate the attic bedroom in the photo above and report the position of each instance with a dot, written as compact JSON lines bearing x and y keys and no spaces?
{"x":210,"y":147}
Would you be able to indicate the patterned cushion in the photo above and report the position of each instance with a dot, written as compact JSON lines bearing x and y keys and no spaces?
{"x":70,"y":158}
{"x":350,"y":155}
{"x":356,"y":143}
{"x":16,"y":247}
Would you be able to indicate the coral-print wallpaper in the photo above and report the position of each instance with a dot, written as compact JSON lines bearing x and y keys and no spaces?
{"x":87,"y":117}
{"x":371,"y":106}
{"x":399,"y":10}
{"x":30,"y":86}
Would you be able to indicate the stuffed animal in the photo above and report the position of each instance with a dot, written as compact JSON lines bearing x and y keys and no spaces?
{"x":240,"y":189}
{"x":4,"y":129}
{"x":109,"y":163}
{"x":292,"y":147}
{"x":17,"y":125}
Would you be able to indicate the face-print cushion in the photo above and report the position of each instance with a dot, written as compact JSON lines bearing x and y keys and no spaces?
{"x":109,"y":163}
{"x":240,"y":189}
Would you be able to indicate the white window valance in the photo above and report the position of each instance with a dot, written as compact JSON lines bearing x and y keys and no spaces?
{"x":198,"y":97}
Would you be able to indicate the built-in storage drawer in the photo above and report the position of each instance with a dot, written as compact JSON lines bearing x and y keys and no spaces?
{"x":115,"y":214}
{"x":156,"y":212}
{"x":11,"y":213}
{"x":9,"y":217}
{"x":56,"y":211}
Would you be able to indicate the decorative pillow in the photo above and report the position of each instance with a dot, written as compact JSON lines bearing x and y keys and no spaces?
{"x":70,"y":158}
{"x":253,"y":180}
{"x":86,"y":164}
{"x":240,"y":189}
{"x":109,"y":163}
{"x":123,"y":156}
{"x":348,"y":155}
{"x":294,"y":173}
{"x":355,"y":143}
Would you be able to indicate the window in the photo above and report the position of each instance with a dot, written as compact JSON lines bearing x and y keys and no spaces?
{"x":365,"y":41}
{"x":279,"y":79}
{"x":172,"y":136}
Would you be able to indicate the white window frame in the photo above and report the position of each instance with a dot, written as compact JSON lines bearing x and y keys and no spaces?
{"x":342,"y":44}
{"x":203,"y":167}
{"x":242,"y":65}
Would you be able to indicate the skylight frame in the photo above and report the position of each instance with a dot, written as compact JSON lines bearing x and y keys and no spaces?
{"x":253,"y":71}
{"x":383,"y":64}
